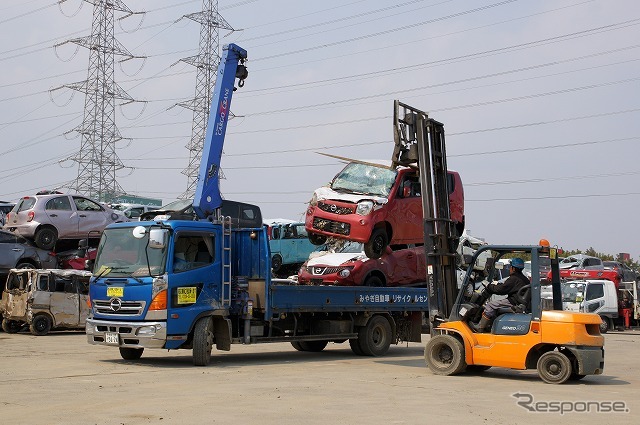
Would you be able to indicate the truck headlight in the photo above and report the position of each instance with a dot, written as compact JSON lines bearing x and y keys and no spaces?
{"x":147,"y":330}
{"x":364,"y":207}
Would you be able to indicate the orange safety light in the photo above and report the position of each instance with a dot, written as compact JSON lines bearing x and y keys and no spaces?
{"x":159,"y":301}
{"x":544,"y":242}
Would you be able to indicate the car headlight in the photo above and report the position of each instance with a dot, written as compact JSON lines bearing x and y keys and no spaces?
{"x":344,"y":273}
{"x":364,"y":207}
{"x":314,"y":200}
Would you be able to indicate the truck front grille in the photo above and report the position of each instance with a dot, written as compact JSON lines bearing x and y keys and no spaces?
{"x":119,"y":309}
{"x":331,"y":226}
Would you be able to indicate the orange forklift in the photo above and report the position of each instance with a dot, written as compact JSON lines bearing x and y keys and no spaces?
{"x":561,"y":345}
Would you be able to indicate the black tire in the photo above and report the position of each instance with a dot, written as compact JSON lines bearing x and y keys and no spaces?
{"x":202,"y":341}
{"x":128,"y":353}
{"x":313,"y":346}
{"x":11,"y":326}
{"x":444,"y":355}
{"x":375,"y":338}
{"x":554,"y":367}
{"x":377,"y":243}
{"x":25,"y":265}
{"x":46,"y":237}
{"x":317,"y":239}
{"x":355,"y":347}
{"x":373,"y":281}
{"x":276,"y":263}
{"x":605,"y":325}
{"x":40,"y":325}
{"x":297,"y":345}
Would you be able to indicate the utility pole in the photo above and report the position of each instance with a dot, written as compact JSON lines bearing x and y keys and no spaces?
{"x":97,"y":158}
{"x":206,"y":63}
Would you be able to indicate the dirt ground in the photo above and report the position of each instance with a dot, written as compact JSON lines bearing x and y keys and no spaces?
{"x":61,"y":379}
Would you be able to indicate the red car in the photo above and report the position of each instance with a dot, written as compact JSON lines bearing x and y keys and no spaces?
{"x":351,"y":267}
{"x":376,"y":205}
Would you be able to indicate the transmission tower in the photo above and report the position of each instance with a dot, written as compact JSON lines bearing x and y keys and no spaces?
{"x":206,"y":63}
{"x":97,"y":159}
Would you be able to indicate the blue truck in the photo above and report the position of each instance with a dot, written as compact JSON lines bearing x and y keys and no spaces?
{"x":183,"y":284}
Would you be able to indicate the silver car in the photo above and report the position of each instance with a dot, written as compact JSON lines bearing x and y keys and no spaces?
{"x":48,"y":218}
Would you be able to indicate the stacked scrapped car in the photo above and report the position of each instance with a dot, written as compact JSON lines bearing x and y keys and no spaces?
{"x":371,"y":203}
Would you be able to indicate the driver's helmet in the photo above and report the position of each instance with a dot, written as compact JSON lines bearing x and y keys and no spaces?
{"x":518,"y":263}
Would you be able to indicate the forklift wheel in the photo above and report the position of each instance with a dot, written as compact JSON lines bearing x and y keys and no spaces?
{"x":444,"y":355}
{"x":554,"y":367}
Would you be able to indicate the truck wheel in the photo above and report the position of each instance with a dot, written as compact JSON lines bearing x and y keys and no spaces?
{"x":297,"y":345}
{"x":375,"y":338}
{"x":313,"y":346}
{"x":128,"y":353}
{"x":46,"y":238}
{"x":276,"y":263}
{"x":317,"y":239}
{"x":11,"y":326}
{"x":444,"y":355}
{"x":604,"y":325}
{"x":202,"y":341}
{"x":554,"y":367}
{"x":40,"y":325}
{"x":378,"y":241}
{"x":355,"y":347}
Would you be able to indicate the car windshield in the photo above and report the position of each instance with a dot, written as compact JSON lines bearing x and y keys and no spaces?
{"x":178,"y":205}
{"x":365,"y":179}
{"x":121,"y":254}
{"x":572,"y":292}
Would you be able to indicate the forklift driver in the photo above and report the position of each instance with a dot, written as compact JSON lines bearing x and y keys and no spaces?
{"x":509,"y":287}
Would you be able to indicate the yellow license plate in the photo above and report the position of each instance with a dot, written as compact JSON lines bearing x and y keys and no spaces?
{"x":115,"y":291}
{"x":187,"y":295}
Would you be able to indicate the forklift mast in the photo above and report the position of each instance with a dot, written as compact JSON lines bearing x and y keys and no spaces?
{"x":419,"y":141}
{"x":207,"y":198}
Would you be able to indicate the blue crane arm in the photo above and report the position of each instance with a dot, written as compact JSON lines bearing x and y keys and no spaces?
{"x":207,"y":195}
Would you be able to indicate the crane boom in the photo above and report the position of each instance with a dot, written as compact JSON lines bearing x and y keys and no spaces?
{"x":207,"y":197}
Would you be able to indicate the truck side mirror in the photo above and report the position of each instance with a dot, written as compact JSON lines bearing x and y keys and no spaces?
{"x":157,"y":238}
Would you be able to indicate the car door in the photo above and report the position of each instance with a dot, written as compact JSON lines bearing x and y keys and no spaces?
{"x":64,"y":302}
{"x":92,"y":217}
{"x":62,"y":215}
{"x":10,"y":251}
{"x":405,"y":210}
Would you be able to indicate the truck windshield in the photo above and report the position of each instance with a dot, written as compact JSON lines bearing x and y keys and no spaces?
{"x":572,"y":292}
{"x":120,"y":254}
{"x":366,"y":179}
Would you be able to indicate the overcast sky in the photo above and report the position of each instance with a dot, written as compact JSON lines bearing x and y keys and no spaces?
{"x":539,"y":101}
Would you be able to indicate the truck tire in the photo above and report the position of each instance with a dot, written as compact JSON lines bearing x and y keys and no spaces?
{"x":355,"y":347}
{"x":128,"y":353}
{"x":374,"y":248}
{"x":297,"y":345}
{"x":313,"y":346}
{"x":554,"y":367}
{"x":605,"y":324}
{"x":375,"y":338}
{"x":444,"y":355}
{"x":374,"y":281}
{"x":46,"y":237}
{"x":11,"y":326}
{"x":202,"y":341}
{"x":41,"y":325}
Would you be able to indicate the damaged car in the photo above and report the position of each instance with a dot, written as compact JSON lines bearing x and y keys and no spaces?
{"x":371,"y":203}
{"x":350,"y":266}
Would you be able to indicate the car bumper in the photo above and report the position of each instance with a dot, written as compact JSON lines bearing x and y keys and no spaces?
{"x":25,"y":230}
{"x":353,"y":227}
{"x":129,"y":334}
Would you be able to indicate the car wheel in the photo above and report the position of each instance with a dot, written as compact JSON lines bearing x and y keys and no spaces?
{"x":554,"y":367}
{"x":373,"y":281}
{"x":276,"y":263}
{"x":378,"y":241}
{"x":40,"y":325}
{"x":317,"y":239}
{"x":444,"y":355}
{"x":128,"y":353}
{"x":46,"y":238}
{"x":25,"y":265}
{"x":11,"y":326}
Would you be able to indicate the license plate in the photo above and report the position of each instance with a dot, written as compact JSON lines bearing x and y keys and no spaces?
{"x":115,"y":291}
{"x":187,"y":295}
{"x":112,"y":338}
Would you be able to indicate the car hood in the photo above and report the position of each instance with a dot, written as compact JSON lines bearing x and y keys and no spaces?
{"x":336,"y":258}
{"x":325,"y":193}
